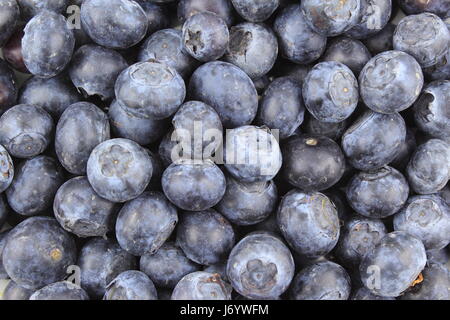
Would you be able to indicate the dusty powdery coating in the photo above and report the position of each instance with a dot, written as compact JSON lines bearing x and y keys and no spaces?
{"x":131,"y":285}
{"x":62,"y":290}
{"x":441,"y":70}
{"x":255,"y":10}
{"x":157,"y":15}
{"x":363,"y":293}
{"x":15,"y":292}
{"x":375,"y":16}
{"x":435,"y":284}
{"x":439,"y":7}
{"x":223,"y":8}
{"x":30,"y":8}
{"x":202,"y":285}
{"x":332,"y":130}
{"x":8,"y":20}
{"x":6,"y":169}
{"x":3,"y":238}
{"x":8,"y":88}
{"x":382,"y":40}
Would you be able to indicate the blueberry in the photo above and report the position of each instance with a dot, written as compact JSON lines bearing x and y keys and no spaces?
{"x":236,"y":100}
{"x":260,"y":266}
{"x":47,"y":45}
{"x":439,"y":7}
{"x":3,"y":239}
{"x":439,"y":71}
{"x":131,"y":285}
{"x":375,"y":14}
{"x":6,"y":169}
{"x":363,"y":293}
{"x":219,"y":268}
{"x":169,"y":147}
{"x":330,"y":92}
{"x":15,"y":292}
{"x":150,"y":90}
{"x":81,"y":211}
{"x":255,"y":10}
{"x":119,"y":169}
{"x":206,"y":237}
{"x":157,"y":171}
{"x":445,"y":194}
{"x":8,"y":21}
{"x":309,"y":222}
{"x":157,"y":16}
{"x":297,"y":41}
{"x":261,"y":83}
{"x":193,"y":185}
{"x":94,"y":70}
{"x":381,"y":41}
{"x":34,"y":185}
{"x":8,"y":88}
{"x":167,"y":266}
{"x":118,"y":24}
{"x":30,"y":8}
{"x":393,"y":264}
{"x":332,"y":130}
{"x":100,"y":261}
{"x":201,"y":285}
{"x":435,"y":284}
{"x":62,"y":290}
{"x":223,"y":8}
{"x":406,"y":150}
{"x":367,"y":144}
{"x":205,"y":36}
{"x":38,"y":252}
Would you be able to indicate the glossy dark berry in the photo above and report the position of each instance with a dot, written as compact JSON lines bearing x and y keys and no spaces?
{"x":8,"y":21}
{"x":439,"y":7}
{"x":8,"y":88}
{"x":30,"y":8}
{"x":157,"y":15}
{"x":382,"y":40}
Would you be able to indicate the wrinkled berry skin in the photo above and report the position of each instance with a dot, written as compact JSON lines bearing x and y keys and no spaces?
{"x":331,"y":17}
{"x":205,"y":36}
{"x":81,"y":211}
{"x":321,"y":281}
{"x":253,"y":48}
{"x":47,"y":45}
{"x":332,"y":130}
{"x":255,"y":10}
{"x":116,"y":24}
{"x":248,"y":203}
{"x":206,"y":237}
{"x":157,"y":16}
{"x":62,"y":290}
{"x":34,"y":185}
{"x":312,"y":163}
{"x":309,"y":222}
{"x":390,"y":82}
{"x":431,"y":112}
{"x":379,"y":193}
{"x":8,"y":89}
{"x":441,"y":70}
{"x":375,"y":14}
{"x":330,"y":91}
{"x":145,"y":223}
{"x":366,"y":144}
{"x":8,"y":21}
{"x":382,"y":40}
{"x":38,"y":252}
{"x":6,"y":169}
{"x":436,"y":280}
{"x":167,"y":266}
{"x":260,"y":266}
{"x":363,"y":293}
{"x":223,"y":8}
{"x":202,"y":285}
{"x":193,"y":186}
{"x":297,"y":41}
{"x":426,"y":217}
{"x":397,"y":260}
{"x":119,"y":169}
{"x":240,"y":103}
{"x":428,"y":170}
{"x":94,"y":70}
{"x":131,"y":285}
{"x":15,"y":292}
{"x":438,"y":7}
{"x":53,"y":95}
{"x":30,"y":8}
{"x":100,"y":262}
{"x":150,"y":90}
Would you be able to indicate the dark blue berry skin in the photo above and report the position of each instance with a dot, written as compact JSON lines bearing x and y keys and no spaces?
{"x":47,"y":45}
{"x":374,"y":140}
{"x":435,"y":284}
{"x":62,"y":290}
{"x":441,"y":70}
{"x":38,"y":252}
{"x":168,"y":146}
{"x":253,"y":48}
{"x":321,"y":281}
{"x":167,"y":266}
{"x":330,"y":92}
{"x":202,"y":285}
{"x":223,"y":8}
{"x":6,"y":169}
{"x":381,"y":41}
{"x":281,"y":107}
{"x":193,"y":186}
{"x":15,"y":292}
{"x":34,"y":185}
{"x":117,"y":24}
{"x":126,"y":125}
{"x":157,"y":171}
{"x":53,"y":95}
{"x":26,"y":130}
{"x":145,"y":223}
{"x":363,"y":293}
{"x":260,"y":266}
{"x":3,"y":239}
{"x":157,"y":16}
{"x":150,"y":90}
{"x":332,"y":130}
{"x":406,"y":150}
{"x":426,"y":217}
{"x":119,"y":169}
{"x":235,"y":100}
{"x":100,"y":262}
{"x":12,"y":51}
{"x":393,"y":264}
{"x":431,"y":112}
{"x":331,"y":17}
{"x":166,"y":46}
{"x":248,"y":203}
{"x":438,"y":7}
{"x":218,"y":268}
{"x":81,"y":211}
{"x":379,"y":193}
{"x":309,"y":222}
{"x":312,"y":163}
{"x":94,"y":70}
{"x":131,"y":285}
{"x":80,"y":129}
{"x":297,"y":41}
{"x":8,"y":88}
{"x":30,"y":8}
{"x":8,"y":21}
{"x":255,"y":10}
{"x":428,"y":170}
{"x":390,"y":82}
{"x":206,"y":237}
{"x":375,"y":14}
{"x":445,"y":194}
{"x":352,"y":53}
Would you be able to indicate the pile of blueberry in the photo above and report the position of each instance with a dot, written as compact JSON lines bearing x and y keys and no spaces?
{"x":225,"y":149}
